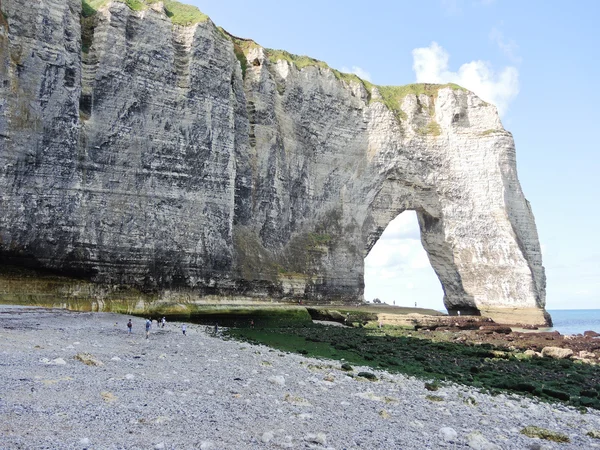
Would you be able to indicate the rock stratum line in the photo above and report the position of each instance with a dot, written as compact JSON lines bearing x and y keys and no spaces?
{"x":144,"y":146}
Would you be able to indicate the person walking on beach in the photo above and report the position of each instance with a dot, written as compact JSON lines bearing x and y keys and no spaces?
{"x":129,"y":326}
{"x":148,"y":325}
{"x":183,"y":328}
{"x":164,"y":320}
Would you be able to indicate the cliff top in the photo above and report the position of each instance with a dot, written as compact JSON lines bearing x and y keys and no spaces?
{"x":187,"y":15}
{"x":179,"y":13}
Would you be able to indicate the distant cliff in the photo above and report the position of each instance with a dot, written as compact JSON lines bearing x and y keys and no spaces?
{"x":141,"y":145}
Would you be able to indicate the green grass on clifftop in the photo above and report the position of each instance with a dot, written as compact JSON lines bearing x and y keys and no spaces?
{"x":392,"y":96}
{"x":179,"y":13}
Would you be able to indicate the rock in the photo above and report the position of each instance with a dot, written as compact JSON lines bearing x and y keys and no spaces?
{"x":384,"y":414}
{"x":557,"y":352}
{"x":586,"y":354}
{"x":448,"y":434}
{"x":115,"y":358}
{"x":347,"y":367}
{"x":206,"y":445}
{"x":129,"y":376}
{"x":538,"y":446}
{"x":532,"y":354}
{"x":368,"y":375}
{"x":489,"y":329}
{"x":267,"y":436}
{"x":543,"y":433}
{"x":159,"y":446}
{"x":278,"y":379}
{"x":591,"y":333}
{"x":85,"y":442}
{"x":476,"y":441}
{"x":593,"y":434}
{"x":88,"y":360}
{"x":220,"y":220}
{"x":58,"y":362}
{"x":108,"y":397}
{"x":319,"y":438}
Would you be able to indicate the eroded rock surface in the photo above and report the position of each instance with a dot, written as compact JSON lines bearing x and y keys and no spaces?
{"x":183,"y":160}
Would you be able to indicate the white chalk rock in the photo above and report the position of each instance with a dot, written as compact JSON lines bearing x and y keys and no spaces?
{"x":278,"y":379}
{"x":448,"y":434}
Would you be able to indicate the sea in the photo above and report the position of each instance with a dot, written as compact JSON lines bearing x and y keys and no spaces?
{"x":575,"y":321}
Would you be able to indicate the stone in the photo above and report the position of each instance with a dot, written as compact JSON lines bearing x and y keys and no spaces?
{"x":278,"y":379}
{"x":476,"y":441}
{"x":318,"y":438}
{"x":88,"y":360}
{"x":58,"y":362}
{"x":273,"y":181}
{"x":557,"y":352}
{"x":267,"y":436}
{"x":532,"y":354}
{"x":590,"y":333}
{"x":489,"y":329}
{"x":543,"y":433}
{"x":448,"y":434}
{"x":593,"y":434}
{"x":367,"y":375}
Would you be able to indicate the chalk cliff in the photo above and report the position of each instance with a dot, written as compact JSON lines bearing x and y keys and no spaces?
{"x":145,"y":147}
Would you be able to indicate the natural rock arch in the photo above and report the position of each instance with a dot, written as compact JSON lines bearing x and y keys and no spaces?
{"x":159,"y":158}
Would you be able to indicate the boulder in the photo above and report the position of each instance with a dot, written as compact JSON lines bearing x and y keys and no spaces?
{"x":557,"y":352}
{"x":489,"y":329}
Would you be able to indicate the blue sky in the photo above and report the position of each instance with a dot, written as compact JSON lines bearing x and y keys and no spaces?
{"x":539,"y":61}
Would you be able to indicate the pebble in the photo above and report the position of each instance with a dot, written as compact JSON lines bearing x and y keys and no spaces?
{"x":267,"y":436}
{"x":279,"y":380}
{"x":237,"y":403}
{"x":448,"y":434}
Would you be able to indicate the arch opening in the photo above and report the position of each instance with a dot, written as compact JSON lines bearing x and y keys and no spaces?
{"x":397,"y":268}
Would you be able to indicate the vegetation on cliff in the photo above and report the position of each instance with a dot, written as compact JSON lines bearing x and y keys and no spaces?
{"x":185,"y":15}
{"x":179,"y":13}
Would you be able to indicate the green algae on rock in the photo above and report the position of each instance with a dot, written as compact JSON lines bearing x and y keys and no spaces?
{"x":543,"y":433}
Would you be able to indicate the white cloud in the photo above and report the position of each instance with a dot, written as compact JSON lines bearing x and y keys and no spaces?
{"x":358,"y":71}
{"x":431,"y":66}
{"x":508,"y":47}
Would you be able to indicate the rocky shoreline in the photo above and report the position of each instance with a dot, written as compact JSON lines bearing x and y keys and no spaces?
{"x":78,"y":380}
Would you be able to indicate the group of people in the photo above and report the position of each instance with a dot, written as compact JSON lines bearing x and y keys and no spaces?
{"x":159,"y":322}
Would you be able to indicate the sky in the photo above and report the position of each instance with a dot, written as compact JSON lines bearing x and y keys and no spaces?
{"x":537,"y":61}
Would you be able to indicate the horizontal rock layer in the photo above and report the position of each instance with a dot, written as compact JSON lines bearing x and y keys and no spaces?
{"x":181,"y":159}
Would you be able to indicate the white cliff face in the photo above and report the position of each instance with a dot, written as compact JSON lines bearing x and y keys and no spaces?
{"x":153,"y":160}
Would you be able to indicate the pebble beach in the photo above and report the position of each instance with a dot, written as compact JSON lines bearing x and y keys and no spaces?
{"x":73,"y":380}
